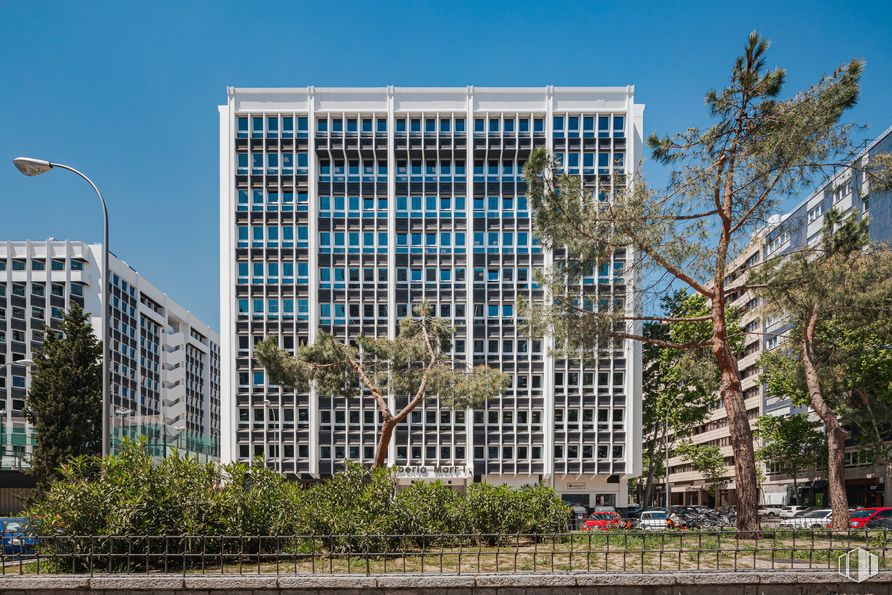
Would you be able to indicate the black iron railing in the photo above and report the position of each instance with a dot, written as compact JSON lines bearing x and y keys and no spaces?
{"x":597,"y":551}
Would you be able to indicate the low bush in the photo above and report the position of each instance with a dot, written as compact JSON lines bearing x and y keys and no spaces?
{"x":428,"y":508}
{"x":134,"y":494}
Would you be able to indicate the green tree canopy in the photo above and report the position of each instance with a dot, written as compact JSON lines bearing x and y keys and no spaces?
{"x":726,"y":180}
{"x":678,"y":385}
{"x":64,"y":402}
{"x":791,"y":444}
{"x":836,"y":298}
{"x":707,"y":460}
{"x":415,"y":364}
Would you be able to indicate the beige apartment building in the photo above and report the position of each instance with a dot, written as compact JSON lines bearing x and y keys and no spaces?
{"x":848,"y":192}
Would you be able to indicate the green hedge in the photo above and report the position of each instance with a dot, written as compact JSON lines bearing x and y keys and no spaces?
{"x":131,"y":493}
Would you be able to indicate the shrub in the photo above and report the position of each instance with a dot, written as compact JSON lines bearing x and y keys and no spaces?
{"x":357,"y":502}
{"x":258,"y":501}
{"x":128,"y":494}
{"x":538,"y":510}
{"x":428,"y":508}
{"x":487,"y":509}
{"x":133,"y":494}
{"x":532,"y":509}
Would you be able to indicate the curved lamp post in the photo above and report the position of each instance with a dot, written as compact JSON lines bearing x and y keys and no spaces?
{"x":35,"y":167}
{"x":20,"y":362}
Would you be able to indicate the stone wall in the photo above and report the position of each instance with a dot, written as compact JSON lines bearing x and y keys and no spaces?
{"x":704,"y":583}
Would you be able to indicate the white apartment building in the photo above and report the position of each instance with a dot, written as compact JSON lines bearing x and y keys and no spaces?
{"x":341,"y":208}
{"x":164,"y":362}
{"x":848,"y":192}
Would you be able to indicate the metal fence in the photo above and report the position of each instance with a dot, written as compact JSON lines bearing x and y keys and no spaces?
{"x":598,"y":551}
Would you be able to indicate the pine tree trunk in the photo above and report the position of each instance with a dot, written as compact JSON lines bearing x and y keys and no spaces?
{"x":739,"y":427}
{"x":384,"y":442}
{"x":836,"y":435}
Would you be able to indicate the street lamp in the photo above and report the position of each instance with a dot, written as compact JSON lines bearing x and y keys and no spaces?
{"x":176,"y":436}
{"x":20,"y":362}
{"x":34,"y":167}
{"x":268,"y":407}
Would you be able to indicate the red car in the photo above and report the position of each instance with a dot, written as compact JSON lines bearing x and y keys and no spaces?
{"x":602,"y":521}
{"x":862,"y":516}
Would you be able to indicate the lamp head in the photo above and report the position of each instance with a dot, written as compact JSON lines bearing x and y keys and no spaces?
{"x":32,"y":167}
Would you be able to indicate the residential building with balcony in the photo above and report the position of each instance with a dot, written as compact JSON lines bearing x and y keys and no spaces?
{"x":848,"y":192}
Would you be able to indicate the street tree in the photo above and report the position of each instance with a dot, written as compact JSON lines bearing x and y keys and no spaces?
{"x":836,"y":298}
{"x":707,"y":460}
{"x":415,"y":364}
{"x":790,"y":444}
{"x":64,"y":401}
{"x":677,"y":384}
{"x":726,"y":180}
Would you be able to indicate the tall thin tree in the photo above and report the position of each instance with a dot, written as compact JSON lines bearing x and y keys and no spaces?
{"x":726,"y":181}
{"x":830,"y":294}
{"x":678,"y":384}
{"x":64,"y":402}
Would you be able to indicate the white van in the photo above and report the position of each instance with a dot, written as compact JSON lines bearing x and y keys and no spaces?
{"x":652,"y":520}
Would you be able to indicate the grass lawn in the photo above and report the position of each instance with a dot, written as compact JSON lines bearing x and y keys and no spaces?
{"x":599,"y":551}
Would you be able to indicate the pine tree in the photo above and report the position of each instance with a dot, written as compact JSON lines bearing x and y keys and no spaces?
{"x":727,"y":180}
{"x":409,"y":368}
{"x":64,"y":403}
{"x":837,"y":297}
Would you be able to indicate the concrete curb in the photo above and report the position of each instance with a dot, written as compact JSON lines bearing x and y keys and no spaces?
{"x":408,"y":583}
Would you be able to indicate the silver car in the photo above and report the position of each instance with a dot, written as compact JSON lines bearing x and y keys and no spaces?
{"x":816,"y":519}
{"x":652,"y":520}
{"x":788,"y":512}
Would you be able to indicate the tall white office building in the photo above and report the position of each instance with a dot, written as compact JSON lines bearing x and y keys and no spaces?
{"x":342,"y":208}
{"x":164,"y":363}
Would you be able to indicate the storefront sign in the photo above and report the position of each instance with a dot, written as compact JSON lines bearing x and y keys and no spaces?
{"x":432,"y":472}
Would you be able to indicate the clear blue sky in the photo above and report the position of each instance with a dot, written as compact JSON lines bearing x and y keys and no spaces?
{"x":127,"y":91}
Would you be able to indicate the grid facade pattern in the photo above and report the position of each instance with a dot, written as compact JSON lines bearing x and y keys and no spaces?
{"x":344,"y":219}
{"x":152,"y":391}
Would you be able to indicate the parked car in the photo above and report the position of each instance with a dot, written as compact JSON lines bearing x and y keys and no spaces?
{"x":788,"y":512}
{"x":860,"y":517}
{"x":602,"y":521}
{"x":880,"y":523}
{"x":810,"y":520}
{"x":18,"y":536}
{"x":771,"y":511}
{"x":652,"y":520}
